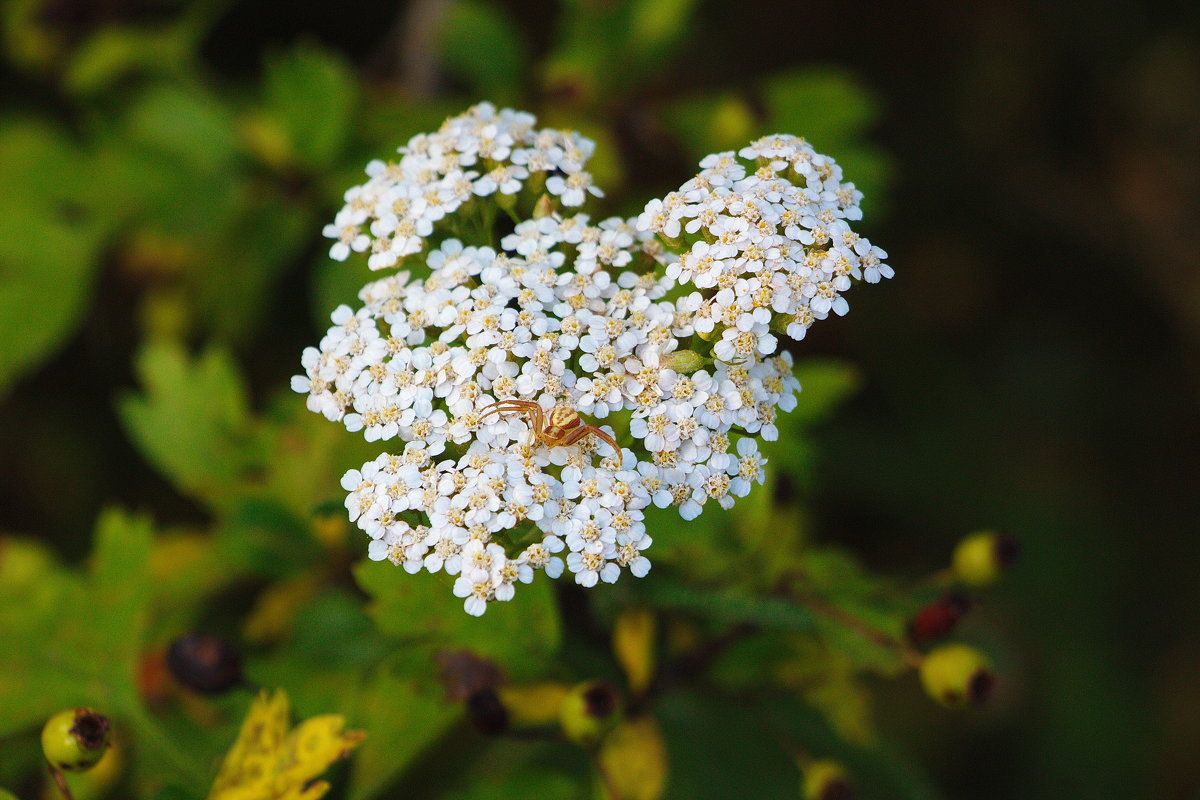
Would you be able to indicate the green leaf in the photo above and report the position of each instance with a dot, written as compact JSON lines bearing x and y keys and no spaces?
{"x":114,"y":52}
{"x":176,"y":792}
{"x":548,"y":780}
{"x":859,"y":614}
{"x":190,"y":125}
{"x":520,"y":634}
{"x":730,"y":606}
{"x":306,"y":455}
{"x":49,"y":246}
{"x":707,"y":733}
{"x":825,"y":384}
{"x":155,"y":189}
{"x":336,"y":629}
{"x":260,"y":536}
{"x":826,"y":106}
{"x":236,"y":272}
{"x":655,"y":24}
{"x":311,"y":92}
{"x":192,"y":422}
{"x":336,"y":283}
{"x":73,"y":640}
{"x":403,"y":715}
{"x":480,"y":45}
{"x":711,"y":123}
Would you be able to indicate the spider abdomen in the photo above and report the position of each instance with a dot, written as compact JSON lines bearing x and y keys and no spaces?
{"x":563,"y":419}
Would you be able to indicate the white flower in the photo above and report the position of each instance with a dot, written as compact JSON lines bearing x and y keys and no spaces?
{"x":564,"y":315}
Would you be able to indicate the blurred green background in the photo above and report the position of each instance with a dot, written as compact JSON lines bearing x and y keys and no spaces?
{"x":166,"y":167}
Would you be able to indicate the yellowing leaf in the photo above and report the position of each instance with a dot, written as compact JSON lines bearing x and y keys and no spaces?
{"x":634,"y":646}
{"x":633,"y":761}
{"x":268,"y":761}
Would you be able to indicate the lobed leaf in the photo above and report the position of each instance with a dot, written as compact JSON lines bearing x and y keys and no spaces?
{"x":519,"y":635}
{"x":192,"y":421}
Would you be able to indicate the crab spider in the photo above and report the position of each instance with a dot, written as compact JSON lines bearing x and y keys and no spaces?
{"x":562,"y":427}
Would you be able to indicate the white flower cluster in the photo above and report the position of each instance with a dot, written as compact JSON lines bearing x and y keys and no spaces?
{"x":481,"y":153}
{"x":483,"y":358}
{"x":772,"y":245}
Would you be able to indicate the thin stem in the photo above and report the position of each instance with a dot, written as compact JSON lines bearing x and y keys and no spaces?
{"x":860,"y":626}
{"x":60,"y":780}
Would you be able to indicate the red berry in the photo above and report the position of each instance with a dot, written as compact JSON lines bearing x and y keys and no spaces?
{"x":939,"y":618}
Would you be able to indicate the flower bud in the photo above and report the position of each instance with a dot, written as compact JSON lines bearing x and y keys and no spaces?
{"x":685,"y":362}
{"x":957,"y":676}
{"x":634,"y":760}
{"x":204,"y":663}
{"x":544,"y":206}
{"x":939,"y":618}
{"x":589,"y":711}
{"x":75,"y":739}
{"x":633,"y":644}
{"x":982,"y":558}
{"x":827,"y":780}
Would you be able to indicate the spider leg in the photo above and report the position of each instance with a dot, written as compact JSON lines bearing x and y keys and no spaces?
{"x":574,"y":436}
{"x":501,"y":406}
{"x":599,"y":434}
{"x":537,"y":422}
{"x":582,"y":431}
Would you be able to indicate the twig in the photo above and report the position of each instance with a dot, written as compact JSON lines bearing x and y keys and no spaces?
{"x":860,"y":626}
{"x":60,"y":780}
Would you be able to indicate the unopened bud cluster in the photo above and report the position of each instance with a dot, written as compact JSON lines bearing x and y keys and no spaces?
{"x":656,"y":333}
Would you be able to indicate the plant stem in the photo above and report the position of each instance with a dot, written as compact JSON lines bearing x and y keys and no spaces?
{"x":860,"y":626}
{"x":60,"y":780}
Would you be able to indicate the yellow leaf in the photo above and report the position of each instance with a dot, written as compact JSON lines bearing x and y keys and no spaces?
{"x":633,"y":761}
{"x":633,"y":644}
{"x":268,"y":761}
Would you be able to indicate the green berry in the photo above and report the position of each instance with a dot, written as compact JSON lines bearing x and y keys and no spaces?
{"x":75,"y":739}
{"x":5,"y":794}
{"x":982,"y":558}
{"x":589,"y":711}
{"x":957,"y":676}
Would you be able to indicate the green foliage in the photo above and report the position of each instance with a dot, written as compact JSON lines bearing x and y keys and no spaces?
{"x":311,"y":95}
{"x":118,"y":52}
{"x":49,"y":244}
{"x":193,"y":421}
{"x":76,"y":639}
{"x":522,"y":636}
{"x":190,"y":126}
